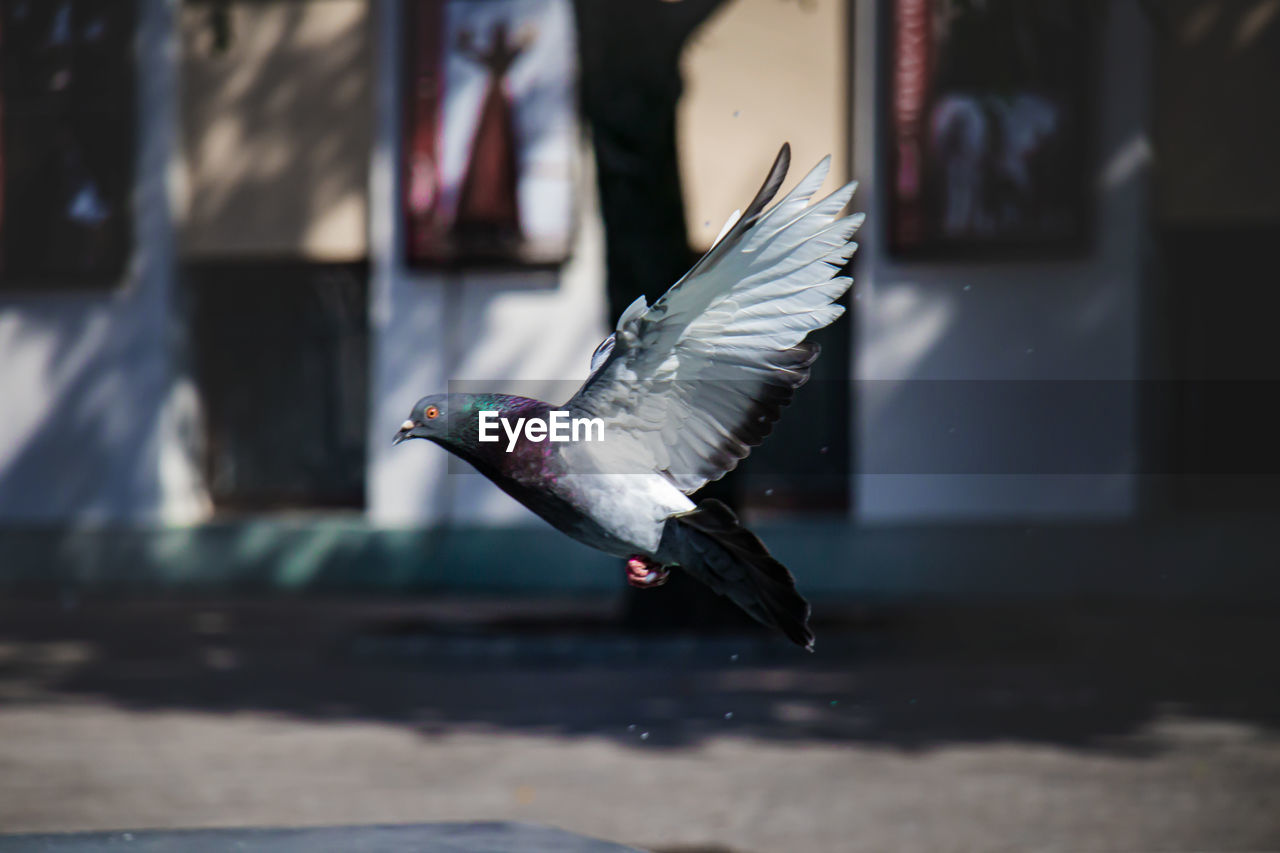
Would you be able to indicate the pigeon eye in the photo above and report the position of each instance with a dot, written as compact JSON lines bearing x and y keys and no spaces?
{"x":432,"y":413}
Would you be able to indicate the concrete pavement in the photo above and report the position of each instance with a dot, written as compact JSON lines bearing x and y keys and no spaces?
{"x":918,"y":729}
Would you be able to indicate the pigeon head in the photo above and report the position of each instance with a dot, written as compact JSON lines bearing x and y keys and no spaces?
{"x":451,"y":420}
{"x":428,"y":419}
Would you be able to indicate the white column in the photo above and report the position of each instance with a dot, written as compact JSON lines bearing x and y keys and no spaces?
{"x":98,"y":424}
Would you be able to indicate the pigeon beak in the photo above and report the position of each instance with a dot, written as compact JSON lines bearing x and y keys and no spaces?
{"x":405,"y":433}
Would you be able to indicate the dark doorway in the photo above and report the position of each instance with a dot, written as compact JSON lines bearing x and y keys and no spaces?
{"x":280,"y":355}
{"x":1215,"y":289}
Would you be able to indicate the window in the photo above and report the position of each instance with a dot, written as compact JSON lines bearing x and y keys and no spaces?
{"x":67,"y":115}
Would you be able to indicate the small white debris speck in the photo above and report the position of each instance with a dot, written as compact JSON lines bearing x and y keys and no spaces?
{"x":768,"y":492}
{"x":968,"y":287}
{"x":733,"y":658}
{"x":644,"y":736}
{"x":728,"y":715}
{"x":631,"y":728}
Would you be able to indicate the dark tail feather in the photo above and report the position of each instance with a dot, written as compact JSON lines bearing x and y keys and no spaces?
{"x":711,"y":545}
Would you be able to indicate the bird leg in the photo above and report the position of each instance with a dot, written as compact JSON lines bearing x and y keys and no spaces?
{"x":644,"y":573}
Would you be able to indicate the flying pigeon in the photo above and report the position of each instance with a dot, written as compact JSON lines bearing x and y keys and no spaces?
{"x":684,"y":389}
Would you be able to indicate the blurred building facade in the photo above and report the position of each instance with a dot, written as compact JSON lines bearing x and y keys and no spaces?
{"x":267,"y":336}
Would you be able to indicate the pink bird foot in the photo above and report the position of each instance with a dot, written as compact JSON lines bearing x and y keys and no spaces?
{"x":644,"y":573}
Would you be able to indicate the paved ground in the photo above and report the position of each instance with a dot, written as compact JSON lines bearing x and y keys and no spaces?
{"x":919,"y":730}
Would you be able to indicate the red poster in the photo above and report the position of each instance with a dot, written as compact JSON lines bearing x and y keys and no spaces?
{"x":489,"y":132}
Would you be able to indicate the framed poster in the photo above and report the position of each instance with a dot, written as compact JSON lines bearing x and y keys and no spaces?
{"x":989,"y":126}
{"x":489,"y":131}
{"x":67,"y":116}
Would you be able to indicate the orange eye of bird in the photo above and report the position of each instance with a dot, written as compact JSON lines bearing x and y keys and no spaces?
{"x":432,"y":413}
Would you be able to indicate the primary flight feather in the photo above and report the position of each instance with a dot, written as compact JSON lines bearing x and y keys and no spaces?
{"x":684,"y":389}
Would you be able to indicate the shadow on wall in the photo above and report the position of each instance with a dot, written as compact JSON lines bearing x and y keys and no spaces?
{"x":276,"y":121}
{"x":89,"y":378}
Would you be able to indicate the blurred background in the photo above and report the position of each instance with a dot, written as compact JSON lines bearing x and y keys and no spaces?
{"x":1031,"y":489}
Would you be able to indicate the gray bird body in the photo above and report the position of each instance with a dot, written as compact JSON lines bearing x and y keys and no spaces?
{"x":582,"y":489}
{"x":684,"y":389}
{"x":625,"y":513}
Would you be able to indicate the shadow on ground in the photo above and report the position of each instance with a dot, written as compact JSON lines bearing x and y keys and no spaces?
{"x":1085,"y":677}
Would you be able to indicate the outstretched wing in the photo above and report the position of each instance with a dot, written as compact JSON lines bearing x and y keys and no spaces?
{"x":698,"y":379}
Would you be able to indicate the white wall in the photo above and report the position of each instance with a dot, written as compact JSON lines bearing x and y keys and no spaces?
{"x":95,"y":411}
{"x":514,"y":332}
{"x":1072,"y":320}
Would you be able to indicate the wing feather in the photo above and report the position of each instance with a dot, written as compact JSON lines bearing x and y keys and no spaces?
{"x":690,"y":384}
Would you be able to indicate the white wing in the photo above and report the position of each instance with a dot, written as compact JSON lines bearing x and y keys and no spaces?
{"x":692,"y":383}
